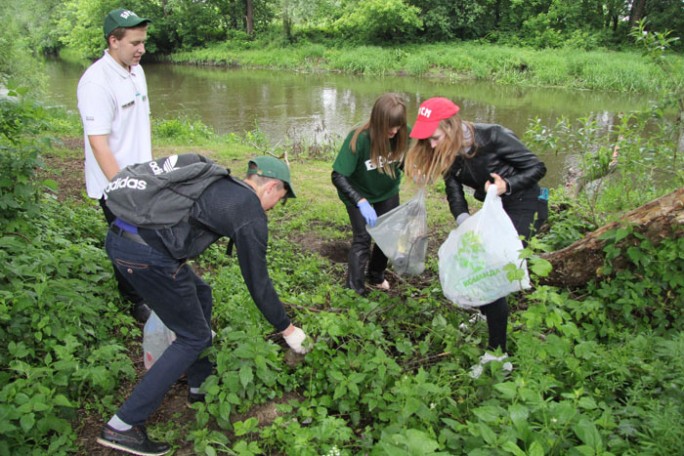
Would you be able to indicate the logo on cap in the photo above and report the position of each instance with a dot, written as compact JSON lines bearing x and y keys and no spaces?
{"x":122,"y":18}
{"x":430,"y":113}
{"x":424,"y":111}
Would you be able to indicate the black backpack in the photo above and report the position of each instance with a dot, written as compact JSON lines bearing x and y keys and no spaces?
{"x":159,"y":193}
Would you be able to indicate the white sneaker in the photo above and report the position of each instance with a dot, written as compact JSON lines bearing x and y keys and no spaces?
{"x":477,"y":369}
{"x":477,"y":317}
{"x":489,"y":357}
{"x":384,"y":286}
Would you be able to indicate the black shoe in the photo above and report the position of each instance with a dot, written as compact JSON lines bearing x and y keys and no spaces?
{"x":194,"y":398}
{"x":141,"y":312}
{"x":360,"y":291}
{"x":133,"y":441}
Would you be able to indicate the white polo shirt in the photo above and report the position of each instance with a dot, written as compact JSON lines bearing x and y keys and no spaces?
{"x":113,"y":101}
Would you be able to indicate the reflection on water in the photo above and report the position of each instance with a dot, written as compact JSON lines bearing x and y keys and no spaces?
{"x":290,"y":106}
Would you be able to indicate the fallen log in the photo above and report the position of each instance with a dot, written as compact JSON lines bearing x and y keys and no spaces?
{"x":581,"y":261}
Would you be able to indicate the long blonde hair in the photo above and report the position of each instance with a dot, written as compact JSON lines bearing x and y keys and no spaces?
{"x":389,"y":111}
{"x":424,"y":164}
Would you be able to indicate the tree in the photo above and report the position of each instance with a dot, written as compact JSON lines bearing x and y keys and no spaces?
{"x":636,"y":12}
{"x":19,"y":65}
{"x":667,"y":15}
{"x":381,"y":21}
{"x":582,"y":261}
{"x":249,"y":17}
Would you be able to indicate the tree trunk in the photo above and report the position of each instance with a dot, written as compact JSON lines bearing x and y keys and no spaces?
{"x":497,"y":14}
{"x":581,"y":262}
{"x":636,"y":13}
{"x":287,"y":21}
{"x":250,"y":17}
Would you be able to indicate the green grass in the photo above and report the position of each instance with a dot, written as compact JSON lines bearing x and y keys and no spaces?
{"x":626,"y":71}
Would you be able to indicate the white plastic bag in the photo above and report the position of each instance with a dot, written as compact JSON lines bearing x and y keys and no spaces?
{"x":474,"y":260}
{"x":156,"y":339}
{"x":401,"y":234}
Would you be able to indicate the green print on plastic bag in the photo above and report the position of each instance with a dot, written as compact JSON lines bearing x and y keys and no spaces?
{"x":470,"y":252}
{"x":481,"y":276}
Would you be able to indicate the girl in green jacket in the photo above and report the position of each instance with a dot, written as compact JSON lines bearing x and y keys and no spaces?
{"x":367,"y":173}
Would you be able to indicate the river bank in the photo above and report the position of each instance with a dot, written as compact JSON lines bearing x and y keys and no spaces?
{"x":627,"y":71}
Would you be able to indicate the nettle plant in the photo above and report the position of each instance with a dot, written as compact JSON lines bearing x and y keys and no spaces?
{"x":389,"y":374}
{"x":59,"y":344}
{"x":19,"y":158}
{"x":58,"y":347}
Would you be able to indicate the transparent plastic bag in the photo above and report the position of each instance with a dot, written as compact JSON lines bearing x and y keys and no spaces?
{"x":475,"y":259}
{"x":401,"y":234}
{"x":156,"y":339}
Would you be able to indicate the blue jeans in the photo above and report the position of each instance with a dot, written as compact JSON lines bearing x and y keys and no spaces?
{"x":183,"y":302}
{"x":126,"y":289}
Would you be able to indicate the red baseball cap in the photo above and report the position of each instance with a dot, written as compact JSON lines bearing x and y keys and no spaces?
{"x":431,"y":112}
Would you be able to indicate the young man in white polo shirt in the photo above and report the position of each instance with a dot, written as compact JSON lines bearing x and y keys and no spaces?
{"x":115,"y":110}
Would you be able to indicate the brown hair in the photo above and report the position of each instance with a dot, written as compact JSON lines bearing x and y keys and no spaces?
{"x":424,"y":164}
{"x":389,"y":111}
{"x":120,"y":32}
{"x":260,"y":181}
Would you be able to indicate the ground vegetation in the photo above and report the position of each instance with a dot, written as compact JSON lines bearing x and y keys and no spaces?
{"x":597,"y":366}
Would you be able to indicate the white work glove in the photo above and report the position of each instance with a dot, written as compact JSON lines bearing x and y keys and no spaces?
{"x":295,"y":339}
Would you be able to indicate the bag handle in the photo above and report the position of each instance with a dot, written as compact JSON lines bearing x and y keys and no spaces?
{"x":491,"y":203}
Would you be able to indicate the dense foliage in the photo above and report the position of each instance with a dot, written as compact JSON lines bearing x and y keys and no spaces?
{"x":597,"y":370}
{"x":184,"y":24}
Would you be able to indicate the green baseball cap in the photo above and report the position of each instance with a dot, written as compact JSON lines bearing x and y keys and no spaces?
{"x":121,"y":18}
{"x":271,"y":167}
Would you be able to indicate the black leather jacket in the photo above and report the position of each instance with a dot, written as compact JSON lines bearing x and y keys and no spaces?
{"x":345,"y":187}
{"x":497,"y":150}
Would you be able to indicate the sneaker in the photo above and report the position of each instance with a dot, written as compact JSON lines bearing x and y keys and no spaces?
{"x":384,"y":285}
{"x":489,"y":357}
{"x":141,"y":312}
{"x":194,"y":398}
{"x":133,"y":441}
{"x":477,"y":317}
{"x":477,"y":369}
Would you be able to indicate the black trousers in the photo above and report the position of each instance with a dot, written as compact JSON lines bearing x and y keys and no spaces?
{"x":521,"y":207}
{"x":126,"y":289}
{"x":360,"y":251}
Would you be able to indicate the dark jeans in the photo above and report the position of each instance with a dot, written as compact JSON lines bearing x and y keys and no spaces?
{"x":521,"y":208}
{"x":183,"y":302}
{"x":361,"y":248}
{"x":126,"y":289}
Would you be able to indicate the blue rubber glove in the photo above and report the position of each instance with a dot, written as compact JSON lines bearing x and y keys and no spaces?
{"x":368,"y":213}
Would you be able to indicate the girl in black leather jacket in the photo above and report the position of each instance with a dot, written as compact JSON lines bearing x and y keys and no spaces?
{"x":477,"y":156}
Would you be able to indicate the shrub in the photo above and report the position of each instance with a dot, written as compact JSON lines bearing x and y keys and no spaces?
{"x":19,"y":158}
{"x":381,"y":21}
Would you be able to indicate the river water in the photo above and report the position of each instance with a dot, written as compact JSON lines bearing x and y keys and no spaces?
{"x":322,"y":107}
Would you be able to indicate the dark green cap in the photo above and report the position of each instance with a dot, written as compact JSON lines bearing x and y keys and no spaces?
{"x":121,"y":18}
{"x":272,"y":167}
